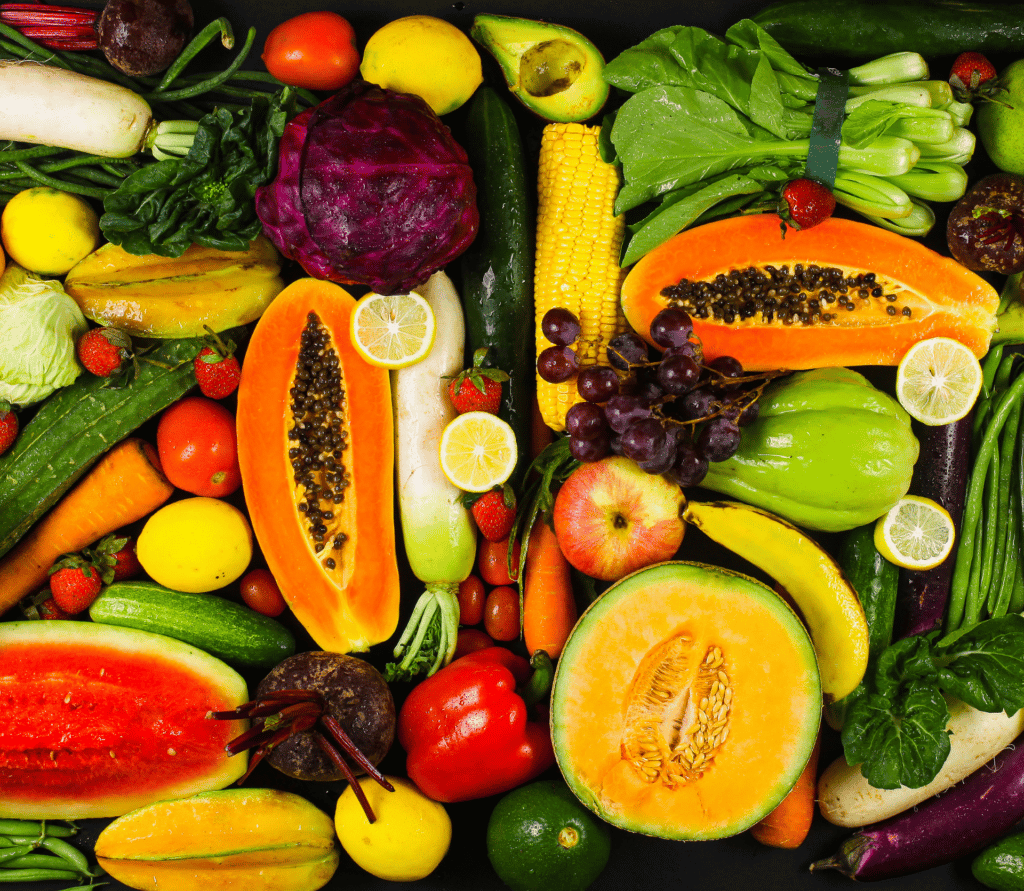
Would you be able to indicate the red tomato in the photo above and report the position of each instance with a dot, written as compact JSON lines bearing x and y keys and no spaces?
{"x":261,"y":593}
{"x":198,"y":447}
{"x":470,"y":640}
{"x":501,"y":613}
{"x":492,"y":562}
{"x":315,"y":50}
{"x":472,"y":595}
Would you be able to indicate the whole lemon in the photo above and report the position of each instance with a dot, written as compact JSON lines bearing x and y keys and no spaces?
{"x":195,"y":544}
{"x":48,"y":231}
{"x":409,"y":837}
{"x":426,"y":56}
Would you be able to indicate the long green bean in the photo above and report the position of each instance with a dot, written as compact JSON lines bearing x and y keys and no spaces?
{"x":14,"y":853}
{"x":1007,"y":452}
{"x":36,"y":827}
{"x":38,"y":875}
{"x":988,"y":521}
{"x":198,"y":89}
{"x":68,"y":853}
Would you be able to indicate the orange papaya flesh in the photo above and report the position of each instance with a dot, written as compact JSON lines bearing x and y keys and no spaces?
{"x":327,"y":533}
{"x":887,"y":293}
{"x":101,"y":720}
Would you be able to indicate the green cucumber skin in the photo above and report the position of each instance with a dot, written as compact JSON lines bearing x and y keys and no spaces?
{"x":862,"y":29}
{"x":230,"y":631}
{"x":1001,"y":865}
{"x":497,"y":268}
{"x":76,"y":425}
{"x":876,"y":582}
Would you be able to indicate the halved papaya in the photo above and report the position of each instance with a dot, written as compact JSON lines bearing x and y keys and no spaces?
{"x":840,"y":293}
{"x":316,"y":451}
{"x":686,"y":702}
{"x":101,"y":720}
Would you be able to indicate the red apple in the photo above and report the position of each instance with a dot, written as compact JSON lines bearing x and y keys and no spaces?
{"x":612,"y":518}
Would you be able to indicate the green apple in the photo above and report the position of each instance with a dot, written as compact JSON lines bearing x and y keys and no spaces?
{"x":1001,"y":121}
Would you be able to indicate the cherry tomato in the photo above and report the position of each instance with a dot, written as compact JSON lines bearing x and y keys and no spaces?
{"x":198,"y":447}
{"x":472,"y":595}
{"x":315,"y":50}
{"x":261,"y":593}
{"x":501,"y":613}
{"x":470,"y":640}
{"x":492,"y":557}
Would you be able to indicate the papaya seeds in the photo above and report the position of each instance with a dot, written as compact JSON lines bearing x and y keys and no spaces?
{"x":540,"y":836}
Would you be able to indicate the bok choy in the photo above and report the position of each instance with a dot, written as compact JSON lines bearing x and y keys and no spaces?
{"x":716,"y":127}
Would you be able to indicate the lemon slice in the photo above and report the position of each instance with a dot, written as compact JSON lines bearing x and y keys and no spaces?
{"x":938,"y":381}
{"x":478,"y":451}
{"x":916,"y":533}
{"x":393,"y":331}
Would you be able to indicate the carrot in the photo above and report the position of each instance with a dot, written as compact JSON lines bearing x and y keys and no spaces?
{"x":787,"y":826}
{"x":123,"y":486}
{"x":549,"y":607}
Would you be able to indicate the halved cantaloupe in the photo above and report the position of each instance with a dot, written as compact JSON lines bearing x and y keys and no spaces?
{"x":686,"y":702}
{"x":870,"y":296}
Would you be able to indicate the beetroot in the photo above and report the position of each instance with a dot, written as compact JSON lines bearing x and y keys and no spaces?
{"x":372,"y":189}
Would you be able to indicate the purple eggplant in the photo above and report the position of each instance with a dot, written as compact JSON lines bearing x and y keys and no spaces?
{"x":940,"y":474}
{"x":944,"y":828}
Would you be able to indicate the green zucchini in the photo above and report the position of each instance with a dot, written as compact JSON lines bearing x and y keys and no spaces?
{"x":497,"y":268}
{"x":76,"y":425}
{"x":223,"y":628}
{"x":866,"y":29}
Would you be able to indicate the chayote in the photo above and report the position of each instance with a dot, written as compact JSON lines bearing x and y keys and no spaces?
{"x":828,"y":451}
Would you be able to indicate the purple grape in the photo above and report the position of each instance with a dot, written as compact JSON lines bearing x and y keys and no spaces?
{"x":644,"y":439}
{"x":690,"y":466}
{"x":691,"y":348}
{"x":560,"y":326}
{"x":678,"y":374}
{"x":556,"y":364}
{"x":727,"y":367}
{"x":718,"y":439}
{"x":597,"y":383}
{"x":627,"y":349}
{"x":665,"y":458}
{"x":698,"y":403}
{"x":621,"y":411}
{"x":586,"y":421}
{"x":646,"y":387}
{"x":671,"y":327}
{"x":589,"y":450}
{"x":741,"y":409}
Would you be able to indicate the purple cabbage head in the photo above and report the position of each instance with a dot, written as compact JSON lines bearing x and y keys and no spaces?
{"x":372,"y":189}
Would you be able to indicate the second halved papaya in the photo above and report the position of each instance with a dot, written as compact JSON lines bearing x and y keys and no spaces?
{"x":840,"y":293}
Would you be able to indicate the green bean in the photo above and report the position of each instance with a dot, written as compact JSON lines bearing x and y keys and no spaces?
{"x":15,"y":852}
{"x":191,"y":92}
{"x":218,"y":26}
{"x":989,"y":366}
{"x":69,"y":853}
{"x":19,"y":41}
{"x":989,"y":520}
{"x":35,"y":827}
{"x":43,"y":180}
{"x":975,"y":494}
{"x":38,"y":875}
{"x":38,"y":861}
{"x":1007,"y":451}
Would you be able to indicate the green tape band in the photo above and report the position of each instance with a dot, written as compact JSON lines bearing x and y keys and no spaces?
{"x":827,"y":125}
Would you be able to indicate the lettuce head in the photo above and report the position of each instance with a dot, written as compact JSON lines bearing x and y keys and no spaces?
{"x":39,"y":324}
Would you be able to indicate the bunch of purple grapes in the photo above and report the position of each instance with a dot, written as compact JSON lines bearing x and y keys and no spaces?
{"x":671,"y":413}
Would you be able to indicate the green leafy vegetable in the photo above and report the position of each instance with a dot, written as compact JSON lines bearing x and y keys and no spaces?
{"x":896,"y":721}
{"x":207,"y":197}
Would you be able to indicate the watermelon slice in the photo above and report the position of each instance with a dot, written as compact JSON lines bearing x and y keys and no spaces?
{"x":98,"y":720}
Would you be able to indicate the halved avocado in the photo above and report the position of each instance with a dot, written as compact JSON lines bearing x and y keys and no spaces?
{"x":553,"y":70}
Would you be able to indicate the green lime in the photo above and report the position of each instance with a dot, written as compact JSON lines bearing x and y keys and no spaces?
{"x":541,"y":837}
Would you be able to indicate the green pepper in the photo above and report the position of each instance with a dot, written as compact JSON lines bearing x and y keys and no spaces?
{"x":828,"y":451}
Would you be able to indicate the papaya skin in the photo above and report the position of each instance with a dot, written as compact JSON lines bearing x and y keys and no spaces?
{"x":945,"y":298}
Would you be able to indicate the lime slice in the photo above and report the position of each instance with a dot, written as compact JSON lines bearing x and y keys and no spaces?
{"x":478,"y":451}
{"x":938,"y":381}
{"x":916,"y":533}
{"x":393,"y":331}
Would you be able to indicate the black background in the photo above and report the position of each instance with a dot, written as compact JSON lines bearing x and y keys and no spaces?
{"x":636,"y":861}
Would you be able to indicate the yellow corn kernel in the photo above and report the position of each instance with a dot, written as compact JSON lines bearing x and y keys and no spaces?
{"x":577,"y":252}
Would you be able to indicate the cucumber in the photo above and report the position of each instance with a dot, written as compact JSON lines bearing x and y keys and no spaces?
{"x":1001,"y":864}
{"x":497,"y":268}
{"x":866,"y":29}
{"x":77,"y":424}
{"x":230,"y":631}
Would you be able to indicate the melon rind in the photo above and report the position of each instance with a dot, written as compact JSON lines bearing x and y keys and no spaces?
{"x":143,"y":781}
{"x":775,"y":715}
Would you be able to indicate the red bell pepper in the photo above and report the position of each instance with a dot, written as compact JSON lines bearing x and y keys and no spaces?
{"x":466,"y":729}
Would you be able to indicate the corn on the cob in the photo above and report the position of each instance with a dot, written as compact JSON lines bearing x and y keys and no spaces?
{"x":577,"y":252}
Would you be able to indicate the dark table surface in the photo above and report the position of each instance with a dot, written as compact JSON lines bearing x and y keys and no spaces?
{"x":636,"y":861}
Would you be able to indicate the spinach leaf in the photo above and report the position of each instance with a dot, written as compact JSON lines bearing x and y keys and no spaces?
{"x":207,"y":197}
{"x":984,"y":667}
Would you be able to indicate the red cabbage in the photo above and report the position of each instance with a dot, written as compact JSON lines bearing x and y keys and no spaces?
{"x":372,"y":189}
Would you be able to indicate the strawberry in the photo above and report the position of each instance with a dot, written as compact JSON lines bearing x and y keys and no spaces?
{"x":105,"y":351}
{"x":48,"y":609}
{"x":477,"y":388}
{"x":41,"y":605}
{"x":805,"y":203}
{"x":8,"y":426}
{"x":974,"y":77}
{"x":217,"y":368}
{"x":495,"y":512}
{"x":126,"y":561}
{"x":76,"y":579}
